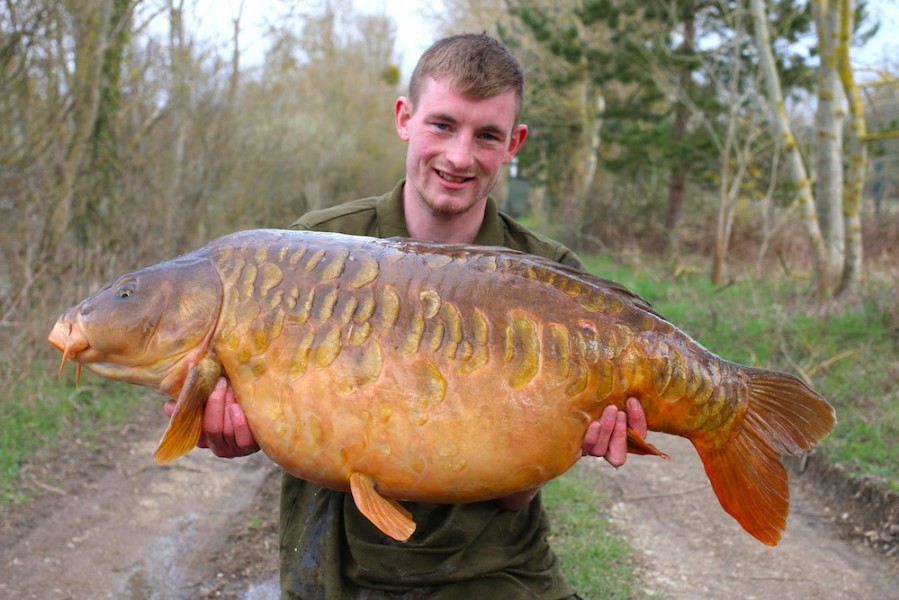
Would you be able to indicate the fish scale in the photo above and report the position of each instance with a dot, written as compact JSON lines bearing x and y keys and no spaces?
{"x":403,"y":370}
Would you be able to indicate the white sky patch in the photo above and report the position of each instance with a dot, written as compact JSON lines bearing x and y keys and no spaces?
{"x":214,"y":22}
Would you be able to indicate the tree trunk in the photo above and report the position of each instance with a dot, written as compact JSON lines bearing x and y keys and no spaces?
{"x":677,"y":182}
{"x":234,"y":80}
{"x":855,"y":176}
{"x":797,"y":171}
{"x":583,"y":159}
{"x":91,"y":30}
{"x":829,"y":119}
{"x":730,"y":186}
{"x":179,"y":114}
{"x":99,"y":211}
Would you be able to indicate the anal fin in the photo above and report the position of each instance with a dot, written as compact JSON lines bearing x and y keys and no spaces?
{"x":637,"y":444}
{"x":386,"y":514}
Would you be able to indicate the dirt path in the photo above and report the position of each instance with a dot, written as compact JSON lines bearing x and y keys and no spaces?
{"x":128,"y":528}
{"x":690,"y":548}
{"x":206,"y":528}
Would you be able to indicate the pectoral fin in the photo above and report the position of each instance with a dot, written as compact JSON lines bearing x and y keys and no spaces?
{"x":386,"y":514}
{"x":636,"y":444}
{"x":186,"y":423}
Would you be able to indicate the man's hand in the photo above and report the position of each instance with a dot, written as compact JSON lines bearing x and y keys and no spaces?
{"x":607,"y":437}
{"x":225,"y":428}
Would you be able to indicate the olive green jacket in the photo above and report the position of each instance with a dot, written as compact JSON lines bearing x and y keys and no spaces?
{"x":330,"y":551}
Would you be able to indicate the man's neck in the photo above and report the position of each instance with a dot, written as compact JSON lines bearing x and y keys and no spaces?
{"x":461,"y":228}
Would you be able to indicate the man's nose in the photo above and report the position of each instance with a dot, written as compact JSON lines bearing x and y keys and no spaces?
{"x":459,"y":152}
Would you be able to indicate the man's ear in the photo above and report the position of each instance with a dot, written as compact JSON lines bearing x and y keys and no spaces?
{"x":402,"y":114}
{"x":519,"y":133}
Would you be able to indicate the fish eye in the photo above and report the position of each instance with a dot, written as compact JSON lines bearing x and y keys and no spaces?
{"x":126,"y":289}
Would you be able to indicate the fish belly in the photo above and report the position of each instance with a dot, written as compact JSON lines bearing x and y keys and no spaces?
{"x":423,"y":431}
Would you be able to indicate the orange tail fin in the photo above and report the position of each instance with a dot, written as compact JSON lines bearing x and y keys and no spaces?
{"x":784,"y":416}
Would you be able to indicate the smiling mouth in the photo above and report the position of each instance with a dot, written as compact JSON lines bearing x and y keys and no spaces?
{"x":452,"y":178}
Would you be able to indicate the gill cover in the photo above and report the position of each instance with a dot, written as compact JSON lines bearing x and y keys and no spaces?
{"x":148,"y":326}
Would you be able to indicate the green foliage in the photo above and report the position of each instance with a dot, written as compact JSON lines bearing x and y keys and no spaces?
{"x":391,"y":75}
{"x":41,"y":410}
{"x":594,"y":559}
{"x":850,"y":355}
{"x":668,"y":83}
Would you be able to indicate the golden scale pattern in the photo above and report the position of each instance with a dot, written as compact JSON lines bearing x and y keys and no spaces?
{"x":335,"y":296}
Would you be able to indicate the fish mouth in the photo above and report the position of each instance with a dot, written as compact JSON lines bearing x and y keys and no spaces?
{"x":70,"y":341}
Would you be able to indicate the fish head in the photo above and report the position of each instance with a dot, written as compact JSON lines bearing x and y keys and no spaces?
{"x":146,"y":326}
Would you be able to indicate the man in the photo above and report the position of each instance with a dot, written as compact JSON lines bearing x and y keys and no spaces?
{"x":460,"y":122}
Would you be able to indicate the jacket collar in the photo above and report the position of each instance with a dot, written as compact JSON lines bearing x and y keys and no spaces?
{"x":392,"y":222}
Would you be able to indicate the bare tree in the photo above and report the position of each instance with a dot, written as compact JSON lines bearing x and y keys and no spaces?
{"x":795,"y":164}
{"x":125,"y":137}
{"x":858,"y":155}
{"x":736,"y":153}
{"x":836,"y":245}
{"x":829,"y":119}
{"x":91,"y":28}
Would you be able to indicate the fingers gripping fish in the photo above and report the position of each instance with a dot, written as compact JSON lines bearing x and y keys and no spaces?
{"x":400,"y":370}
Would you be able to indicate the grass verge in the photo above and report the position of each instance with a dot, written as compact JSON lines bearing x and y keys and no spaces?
{"x":594,"y":559}
{"x":42,"y":410}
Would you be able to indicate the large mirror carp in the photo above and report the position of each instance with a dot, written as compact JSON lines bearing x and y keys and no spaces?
{"x":401,"y":370}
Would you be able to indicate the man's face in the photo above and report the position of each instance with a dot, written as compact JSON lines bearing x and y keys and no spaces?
{"x":457,"y":146}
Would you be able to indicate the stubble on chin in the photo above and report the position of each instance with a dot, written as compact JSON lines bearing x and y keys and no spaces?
{"x":446,"y":210}
{"x":443,"y":209}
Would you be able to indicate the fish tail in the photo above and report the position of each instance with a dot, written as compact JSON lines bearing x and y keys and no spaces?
{"x":784,"y":416}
